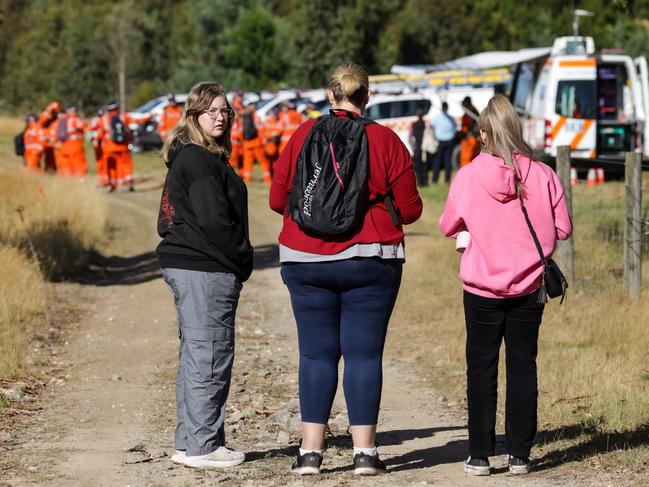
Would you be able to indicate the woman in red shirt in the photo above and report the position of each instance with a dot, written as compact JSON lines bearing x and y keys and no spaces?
{"x":343,"y":288}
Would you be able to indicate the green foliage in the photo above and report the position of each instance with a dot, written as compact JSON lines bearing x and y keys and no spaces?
{"x":71,"y":49}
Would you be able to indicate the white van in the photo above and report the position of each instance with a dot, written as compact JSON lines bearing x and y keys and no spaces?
{"x":596,"y":104}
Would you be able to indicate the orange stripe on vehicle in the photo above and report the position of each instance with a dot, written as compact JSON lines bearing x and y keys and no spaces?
{"x":577,"y":63}
{"x":592,"y":154}
{"x":557,"y":127}
{"x":580,"y":134}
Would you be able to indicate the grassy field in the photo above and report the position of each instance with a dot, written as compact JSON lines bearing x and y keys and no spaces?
{"x":593,"y":357}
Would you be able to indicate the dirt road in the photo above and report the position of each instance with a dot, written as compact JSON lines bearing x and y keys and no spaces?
{"x":116,"y":387}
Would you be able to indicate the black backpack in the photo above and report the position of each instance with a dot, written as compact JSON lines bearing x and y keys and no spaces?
{"x":19,"y":144}
{"x":120,"y":134}
{"x":329,"y":194}
{"x":249,"y":129}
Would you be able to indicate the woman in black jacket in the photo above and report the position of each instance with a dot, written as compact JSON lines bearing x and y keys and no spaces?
{"x":205,"y":256}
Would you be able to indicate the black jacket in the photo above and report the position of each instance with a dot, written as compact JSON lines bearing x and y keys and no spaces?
{"x":203,"y":218}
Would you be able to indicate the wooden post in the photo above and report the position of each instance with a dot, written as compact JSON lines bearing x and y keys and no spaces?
{"x":566,"y":247}
{"x":633,"y":224}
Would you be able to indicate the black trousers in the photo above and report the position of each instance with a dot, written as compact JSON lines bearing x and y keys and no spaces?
{"x":488,"y":321}
{"x":420,"y":166}
{"x":443,"y":158}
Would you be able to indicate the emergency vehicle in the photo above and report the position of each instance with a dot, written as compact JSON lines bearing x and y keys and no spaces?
{"x":597,"y":104}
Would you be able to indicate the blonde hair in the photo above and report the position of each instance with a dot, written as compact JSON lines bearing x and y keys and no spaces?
{"x":189,"y":131}
{"x":505,"y":135}
{"x":349,"y":81}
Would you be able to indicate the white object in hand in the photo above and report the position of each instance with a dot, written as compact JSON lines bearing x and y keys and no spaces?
{"x":462,"y":241}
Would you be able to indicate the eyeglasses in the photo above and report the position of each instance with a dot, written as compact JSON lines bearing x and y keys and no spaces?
{"x":213,"y":113}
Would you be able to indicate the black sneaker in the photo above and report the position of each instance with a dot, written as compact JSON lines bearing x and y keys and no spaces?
{"x":307,"y":464}
{"x":519,"y":465}
{"x":368,"y":464}
{"x":477,"y":466}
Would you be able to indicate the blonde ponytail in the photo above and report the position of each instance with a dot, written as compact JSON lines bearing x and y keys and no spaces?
{"x":350,"y":82}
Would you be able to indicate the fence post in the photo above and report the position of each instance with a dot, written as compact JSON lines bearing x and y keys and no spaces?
{"x":566,"y":247}
{"x":633,"y":223}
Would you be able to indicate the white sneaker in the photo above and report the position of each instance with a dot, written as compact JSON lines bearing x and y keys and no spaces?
{"x":219,"y":458}
{"x":179,"y":457}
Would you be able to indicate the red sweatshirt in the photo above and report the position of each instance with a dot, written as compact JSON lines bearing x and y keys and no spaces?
{"x":390,"y":169}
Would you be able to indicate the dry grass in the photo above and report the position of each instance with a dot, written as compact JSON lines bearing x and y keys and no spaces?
{"x":23,"y":298}
{"x":594,"y":350}
{"x":66,"y":221}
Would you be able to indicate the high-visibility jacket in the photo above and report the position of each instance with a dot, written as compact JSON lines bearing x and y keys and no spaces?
{"x":236,"y":132}
{"x":34,"y":138}
{"x":75,"y":126}
{"x":169,"y":117}
{"x":290,"y":120}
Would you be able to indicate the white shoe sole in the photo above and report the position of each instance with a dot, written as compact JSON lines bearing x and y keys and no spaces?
{"x":478,"y":471}
{"x":368,"y":471}
{"x":519,"y":469}
{"x":178,"y":458}
{"x":202,"y":463}
{"x":306,"y":471}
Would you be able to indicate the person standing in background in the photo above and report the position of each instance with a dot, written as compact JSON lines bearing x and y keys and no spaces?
{"x":169,"y":117}
{"x":469,"y":133}
{"x":444,"y":128}
{"x":72,"y":152}
{"x":416,"y":139}
{"x":34,"y":143}
{"x":48,"y":121}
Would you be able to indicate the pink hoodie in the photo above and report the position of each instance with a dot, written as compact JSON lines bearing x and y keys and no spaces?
{"x":501,"y":259}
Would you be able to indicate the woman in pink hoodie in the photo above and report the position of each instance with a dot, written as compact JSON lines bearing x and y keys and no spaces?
{"x":501,"y":275}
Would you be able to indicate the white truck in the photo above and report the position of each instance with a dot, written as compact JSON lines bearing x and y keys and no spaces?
{"x":598,"y":104}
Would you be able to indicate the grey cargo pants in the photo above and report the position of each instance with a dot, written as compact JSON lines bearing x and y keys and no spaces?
{"x":206,"y":304}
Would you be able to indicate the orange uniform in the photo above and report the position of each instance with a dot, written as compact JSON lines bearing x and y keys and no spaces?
{"x":236,"y":136}
{"x":290,"y":120}
{"x":116,"y":155}
{"x":95,"y":140}
{"x":34,"y":146}
{"x":73,"y":157}
{"x":169,"y":117}
{"x":253,"y":147}
{"x":469,"y":145}
{"x":47,"y":121}
{"x":272,"y":137}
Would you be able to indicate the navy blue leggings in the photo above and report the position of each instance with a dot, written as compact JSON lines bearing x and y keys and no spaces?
{"x":342,"y":308}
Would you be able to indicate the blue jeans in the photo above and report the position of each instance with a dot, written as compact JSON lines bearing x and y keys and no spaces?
{"x":342,"y":308}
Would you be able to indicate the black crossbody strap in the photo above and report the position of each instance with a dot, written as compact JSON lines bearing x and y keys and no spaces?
{"x":529,"y":225}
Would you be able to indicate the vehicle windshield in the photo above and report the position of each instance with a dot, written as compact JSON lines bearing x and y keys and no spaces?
{"x":577,"y":99}
{"x":148,"y":106}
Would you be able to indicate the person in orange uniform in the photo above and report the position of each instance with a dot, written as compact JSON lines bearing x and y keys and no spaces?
{"x":34,"y":143}
{"x":95,"y":140}
{"x":115,"y":137}
{"x":169,"y":117}
{"x":73,"y":156}
{"x":469,"y":143}
{"x":272,"y":137}
{"x":47,"y":121}
{"x":236,"y":133}
{"x":291,"y":120}
{"x":253,"y":147}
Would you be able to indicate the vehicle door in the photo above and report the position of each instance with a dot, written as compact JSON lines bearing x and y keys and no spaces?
{"x":643,"y":75}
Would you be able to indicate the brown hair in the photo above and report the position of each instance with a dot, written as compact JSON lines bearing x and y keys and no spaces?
{"x":189,"y":131}
{"x":505,"y":135}
{"x":350,"y":82}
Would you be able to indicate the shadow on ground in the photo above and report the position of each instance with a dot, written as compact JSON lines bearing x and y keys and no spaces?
{"x":121,"y":271}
